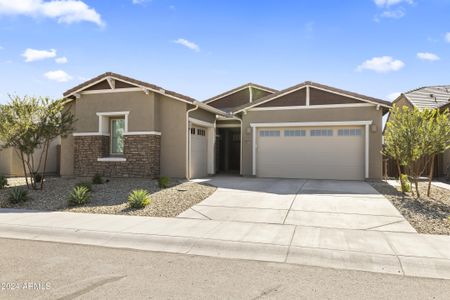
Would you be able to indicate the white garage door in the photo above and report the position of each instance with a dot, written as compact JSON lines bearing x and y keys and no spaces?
{"x":199,"y":152}
{"x":308,"y":152}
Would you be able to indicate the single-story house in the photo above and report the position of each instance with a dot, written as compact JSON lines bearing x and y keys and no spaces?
{"x":429,"y":97}
{"x":126,"y":127}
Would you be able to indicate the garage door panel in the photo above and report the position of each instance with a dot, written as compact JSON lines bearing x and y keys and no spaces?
{"x":199,"y":153}
{"x":315,"y":157}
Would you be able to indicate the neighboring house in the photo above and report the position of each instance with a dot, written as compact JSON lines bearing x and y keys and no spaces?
{"x":127,"y":127}
{"x":429,"y":97}
{"x":11,"y":164}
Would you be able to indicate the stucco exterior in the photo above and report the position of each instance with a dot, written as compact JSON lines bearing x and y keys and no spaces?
{"x":141,"y":108}
{"x":11,"y":165}
{"x":149,"y":112}
{"x":369,"y":113}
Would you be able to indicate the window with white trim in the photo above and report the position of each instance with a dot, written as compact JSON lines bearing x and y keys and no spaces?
{"x":321,"y":132}
{"x":294,"y":132}
{"x":201,"y":132}
{"x":349,"y":132}
{"x":269,"y":133}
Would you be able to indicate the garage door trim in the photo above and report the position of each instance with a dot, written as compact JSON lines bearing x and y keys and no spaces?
{"x":254,"y":126}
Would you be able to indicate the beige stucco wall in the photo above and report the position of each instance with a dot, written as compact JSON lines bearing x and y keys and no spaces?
{"x":141,"y":109}
{"x":317,"y":115}
{"x":150,"y":112}
{"x":11,"y":164}
{"x":203,"y":115}
{"x":67,"y":144}
{"x":5,"y":162}
{"x":172,"y":124}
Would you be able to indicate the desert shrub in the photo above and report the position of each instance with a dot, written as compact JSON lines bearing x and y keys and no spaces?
{"x":17,"y":195}
{"x":85,"y":184}
{"x":139,"y":198}
{"x":164,"y":182}
{"x":37,"y":177}
{"x":80,"y":195}
{"x":97,"y":179}
{"x":3,"y":182}
{"x":406,"y":184}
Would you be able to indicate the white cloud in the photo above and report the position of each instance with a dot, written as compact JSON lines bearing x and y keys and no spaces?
{"x":393,"y":14}
{"x":33,"y":54}
{"x":447,"y":37}
{"x":384,"y":3}
{"x":58,"y":75}
{"x":393,"y":96}
{"x":64,"y":11}
{"x":188,"y":44}
{"x":139,"y":1}
{"x":61,"y":60}
{"x":427,"y":56}
{"x":381,"y":64}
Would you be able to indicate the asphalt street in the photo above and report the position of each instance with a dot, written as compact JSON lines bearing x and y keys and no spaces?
{"x":43,"y":270}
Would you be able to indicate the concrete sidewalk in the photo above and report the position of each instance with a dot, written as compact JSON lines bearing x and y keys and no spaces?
{"x":408,"y":254}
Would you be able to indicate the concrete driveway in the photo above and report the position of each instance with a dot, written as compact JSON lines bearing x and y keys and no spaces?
{"x":315,"y":203}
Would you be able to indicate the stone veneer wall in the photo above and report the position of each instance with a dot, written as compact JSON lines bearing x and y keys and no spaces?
{"x":142,"y":153}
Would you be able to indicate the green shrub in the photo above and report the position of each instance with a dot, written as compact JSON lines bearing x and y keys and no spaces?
{"x":3,"y":182}
{"x":85,"y":184}
{"x":139,"y":198}
{"x":406,"y":185}
{"x":37,"y":177}
{"x":164,"y":182}
{"x":97,"y":179}
{"x":80,"y":195}
{"x":17,"y":195}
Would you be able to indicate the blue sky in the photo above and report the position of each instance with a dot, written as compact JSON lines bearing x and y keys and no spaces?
{"x":202,"y":48}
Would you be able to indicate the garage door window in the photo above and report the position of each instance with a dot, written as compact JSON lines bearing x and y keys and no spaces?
{"x":292,"y":133}
{"x":349,"y":132}
{"x":269,"y":133}
{"x":322,"y":132}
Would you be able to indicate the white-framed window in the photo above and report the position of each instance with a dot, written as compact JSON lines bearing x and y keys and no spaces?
{"x":321,"y":132}
{"x":269,"y":133}
{"x":192,"y":131}
{"x":349,"y":132}
{"x":294,"y":132}
{"x":201,"y":132}
{"x":117,"y":129}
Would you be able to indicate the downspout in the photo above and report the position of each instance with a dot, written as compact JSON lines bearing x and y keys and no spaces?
{"x":188,"y":144}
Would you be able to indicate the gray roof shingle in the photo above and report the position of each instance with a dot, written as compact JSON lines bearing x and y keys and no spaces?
{"x":429,"y":96}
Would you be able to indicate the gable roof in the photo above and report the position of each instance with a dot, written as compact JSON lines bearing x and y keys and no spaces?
{"x":135,"y":82}
{"x":428,"y":96}
{"x":240,"y":88}
{"x":141,"y":84}
{"x":297,"y":87}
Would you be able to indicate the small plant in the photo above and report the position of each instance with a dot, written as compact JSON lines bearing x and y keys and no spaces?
{"x":139,"y":198}
{"x":3,"y":182}
{"x":97,"y":179}
{"x":37,"y":177}
{"x":164,"y":182}
{"x":80,"y":195}
{"x":17,"y":195}
{"x":85,"y":184}
{"x":406,"y":185}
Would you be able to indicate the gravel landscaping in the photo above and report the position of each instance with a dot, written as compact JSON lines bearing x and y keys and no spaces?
{"x":429,"y":215}
{"x":111,"y":197}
